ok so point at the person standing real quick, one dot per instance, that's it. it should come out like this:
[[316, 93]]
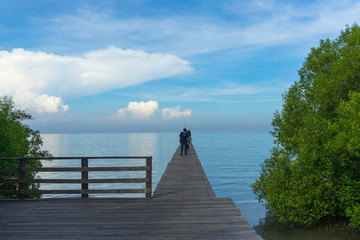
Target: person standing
[[189, 139], [183, 140]]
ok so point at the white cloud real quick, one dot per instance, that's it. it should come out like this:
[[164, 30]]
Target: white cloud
[[175, 112], [138, 110], [45, 103], [39, 80], [143, 110], [39, 103]]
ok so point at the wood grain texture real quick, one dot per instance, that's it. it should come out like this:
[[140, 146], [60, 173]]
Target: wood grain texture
[[184, 206], [84, 182]]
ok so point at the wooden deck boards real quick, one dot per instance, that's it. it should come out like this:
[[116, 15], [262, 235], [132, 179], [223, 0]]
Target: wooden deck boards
[[184, 177], [184, 206]]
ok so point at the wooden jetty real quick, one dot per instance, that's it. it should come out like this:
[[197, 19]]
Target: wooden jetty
[[184, 206]]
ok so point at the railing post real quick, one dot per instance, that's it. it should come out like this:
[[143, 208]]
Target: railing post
[[22, 177], [84, 176], [148, 176]]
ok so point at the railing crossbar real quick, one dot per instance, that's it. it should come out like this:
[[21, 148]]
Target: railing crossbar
[[75, 169], [84, 181], [63, 181]]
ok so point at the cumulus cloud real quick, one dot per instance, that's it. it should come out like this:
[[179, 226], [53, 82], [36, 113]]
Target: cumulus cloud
[[39, 80], [175, 112], [143, 110], [138, 110], [41, 104]]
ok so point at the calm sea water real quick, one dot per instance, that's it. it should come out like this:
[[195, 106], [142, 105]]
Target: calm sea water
[[231, 161]]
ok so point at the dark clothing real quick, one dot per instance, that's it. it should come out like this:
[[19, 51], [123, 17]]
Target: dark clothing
[[184, 137], [184, 145], [183, 141]]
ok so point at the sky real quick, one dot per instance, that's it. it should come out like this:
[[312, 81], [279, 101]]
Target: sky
[[158, 66]]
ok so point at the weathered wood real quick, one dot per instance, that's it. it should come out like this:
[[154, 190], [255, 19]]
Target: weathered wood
[[159, 218], [183, 206], [75, 169], [74, 158], [84, 181], [148, 176], [184, 177], [78, 181], [83, 191], [85, 176], [22, 177]]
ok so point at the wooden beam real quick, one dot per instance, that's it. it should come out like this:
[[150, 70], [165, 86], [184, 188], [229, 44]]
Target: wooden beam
[[75, 169], [84, 176], [78, 181], [148, 176], [92, 191]]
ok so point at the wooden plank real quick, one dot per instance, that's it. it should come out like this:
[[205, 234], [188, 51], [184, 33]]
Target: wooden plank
[[85, 176], [149, 176], [114, 180], [22, 176], [93, 191], [76, 158], [184, 177], [122, 219], [74, 169]]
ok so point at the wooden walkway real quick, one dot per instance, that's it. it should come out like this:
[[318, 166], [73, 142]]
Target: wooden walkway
[[184, 206]]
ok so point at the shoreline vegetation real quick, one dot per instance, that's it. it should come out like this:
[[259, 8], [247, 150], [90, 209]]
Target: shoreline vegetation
[[18, 140], [313, 173], [335, 228]]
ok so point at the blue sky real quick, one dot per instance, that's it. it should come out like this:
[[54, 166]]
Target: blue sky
[[146, 66]]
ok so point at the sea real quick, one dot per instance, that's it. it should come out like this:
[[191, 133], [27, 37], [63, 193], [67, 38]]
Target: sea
[[231, 160]]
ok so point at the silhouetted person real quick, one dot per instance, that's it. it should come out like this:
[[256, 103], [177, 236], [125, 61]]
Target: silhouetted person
[[183, 140], [189, 139]]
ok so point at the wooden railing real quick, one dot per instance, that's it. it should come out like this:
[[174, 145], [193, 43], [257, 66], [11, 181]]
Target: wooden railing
[[84, 181]]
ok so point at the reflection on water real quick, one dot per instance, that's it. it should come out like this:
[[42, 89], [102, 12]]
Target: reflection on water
[[143, 144], [270, 229], [75, 145], [54, 143]]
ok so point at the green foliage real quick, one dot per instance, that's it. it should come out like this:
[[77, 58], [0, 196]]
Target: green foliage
[[17, 140], [314, 169]]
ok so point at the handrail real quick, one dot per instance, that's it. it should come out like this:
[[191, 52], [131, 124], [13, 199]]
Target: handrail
[[84, 181]]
